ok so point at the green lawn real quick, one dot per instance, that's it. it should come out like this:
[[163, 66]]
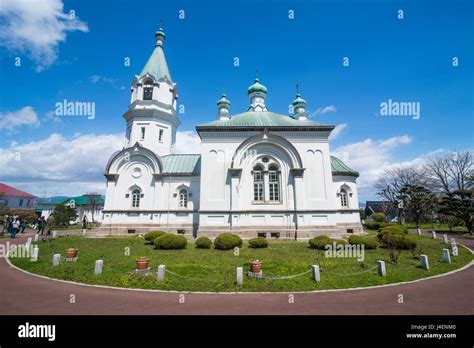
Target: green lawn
[[214, 270]]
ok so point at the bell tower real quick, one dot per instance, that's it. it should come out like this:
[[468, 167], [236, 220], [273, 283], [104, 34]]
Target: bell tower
[[151, 116]]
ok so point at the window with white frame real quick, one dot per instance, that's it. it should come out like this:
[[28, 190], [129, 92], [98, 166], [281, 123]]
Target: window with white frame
[[143, 133], [136, 198], [183, 198], [160, 135], [273, 183], [258, 184], [344, 200], [148, 90]]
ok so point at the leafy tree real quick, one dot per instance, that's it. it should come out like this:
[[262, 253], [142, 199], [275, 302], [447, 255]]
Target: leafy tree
[[459, 204], [362, 214], [63, 214], [92, 203], [417, 200]]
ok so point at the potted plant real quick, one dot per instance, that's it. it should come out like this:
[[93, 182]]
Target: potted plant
[[71, 253], [142, 263], [255, 266]]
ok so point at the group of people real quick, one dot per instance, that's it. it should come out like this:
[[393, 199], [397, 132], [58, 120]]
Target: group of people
[[14, 225]]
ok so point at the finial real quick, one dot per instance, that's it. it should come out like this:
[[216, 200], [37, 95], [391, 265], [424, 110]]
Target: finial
[[161, 23], [297, 89], [256, 75]]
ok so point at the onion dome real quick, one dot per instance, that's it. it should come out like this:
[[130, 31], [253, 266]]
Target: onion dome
[[257, 87], [223, 101], [298, 100]]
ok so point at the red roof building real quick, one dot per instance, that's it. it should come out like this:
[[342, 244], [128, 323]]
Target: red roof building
[[14, 198]]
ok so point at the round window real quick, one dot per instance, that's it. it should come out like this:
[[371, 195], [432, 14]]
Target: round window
[[136, 172], [265, 160]]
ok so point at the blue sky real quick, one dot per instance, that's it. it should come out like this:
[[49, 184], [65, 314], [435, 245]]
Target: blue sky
[[407, 59]]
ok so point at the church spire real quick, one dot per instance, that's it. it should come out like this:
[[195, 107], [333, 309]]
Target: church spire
[[299, 106], [156, 64]]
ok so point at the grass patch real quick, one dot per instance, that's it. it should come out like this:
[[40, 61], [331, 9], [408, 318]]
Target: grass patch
[[215, 270]]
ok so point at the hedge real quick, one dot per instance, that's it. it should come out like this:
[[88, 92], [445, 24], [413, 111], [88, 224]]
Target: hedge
[[227, 241], [372, 225], [203, 243], [257, 243], [171, 242], [320, 242], [394, 229], [378, 217], [151, 236], [367, 242], [398, 241]]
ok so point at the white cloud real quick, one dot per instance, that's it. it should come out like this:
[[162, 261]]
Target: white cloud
[[61, 165], [338, 131], [97, 78], [35, 28], [187, 142], [371, 157], [26, 116], [324, 110]]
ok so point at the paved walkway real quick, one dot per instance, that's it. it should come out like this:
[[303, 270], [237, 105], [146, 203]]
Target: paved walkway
[[21, 293]]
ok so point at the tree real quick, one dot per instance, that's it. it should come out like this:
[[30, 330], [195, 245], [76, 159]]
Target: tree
[[62, 215], [417, 201], [459, 204], [392, 181], [93, 201], [378, 217], [362, 214], [452, 177]]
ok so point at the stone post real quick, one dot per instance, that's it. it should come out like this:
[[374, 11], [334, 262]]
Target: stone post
[[418, 231], [381, 268], [240, 276], [161, 272], [98, 266], [424, 262], [433, 234], [445, 238], [36, 237], [34, 256], [453, 242], [315, 272], [446, 256], [56, 259], [84, 231], [55, 234]]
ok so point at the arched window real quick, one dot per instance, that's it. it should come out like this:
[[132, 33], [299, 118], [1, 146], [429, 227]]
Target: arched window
[[257, 184], [183, 198], [344, 201], [136, 199], [148, 90], [273, 183]]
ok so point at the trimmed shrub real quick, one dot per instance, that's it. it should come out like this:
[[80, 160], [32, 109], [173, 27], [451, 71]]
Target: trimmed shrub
[[257, 243], [372, 225], [227, 241], [398, 241], [171, 242], [378, 217], [367, 242], [320, 242], [151, 236], [203, 243], [394, 229]]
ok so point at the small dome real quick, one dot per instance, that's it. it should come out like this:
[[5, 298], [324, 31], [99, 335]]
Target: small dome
[[257, 87], [160, 32], [223, 100], [298, 100]]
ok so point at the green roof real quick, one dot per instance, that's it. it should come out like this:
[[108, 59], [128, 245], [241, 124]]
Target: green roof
[[156, 65], [298, 100], [181, 164], [38, 208], [83, 200], [223, 100], [340, 168], [262, 119]]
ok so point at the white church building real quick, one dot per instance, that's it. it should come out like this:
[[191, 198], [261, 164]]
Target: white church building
[[259, 173]]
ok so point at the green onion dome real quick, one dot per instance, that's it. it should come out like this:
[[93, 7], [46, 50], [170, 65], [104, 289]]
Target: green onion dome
[[160, 32], [298, 100], [223, 100], [257, 87]]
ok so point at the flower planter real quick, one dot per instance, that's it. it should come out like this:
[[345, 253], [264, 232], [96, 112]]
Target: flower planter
[[71, 253], [142, 263], [255, 266]]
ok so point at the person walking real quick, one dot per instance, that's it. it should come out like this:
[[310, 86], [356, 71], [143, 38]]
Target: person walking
[[15, 227], [41, 225], [22, 225]]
